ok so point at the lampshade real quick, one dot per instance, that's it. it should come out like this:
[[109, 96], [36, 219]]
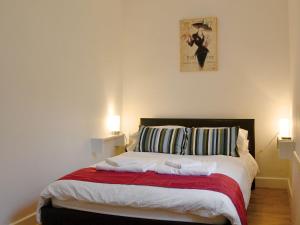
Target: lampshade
[[114, 124], [284, 128]]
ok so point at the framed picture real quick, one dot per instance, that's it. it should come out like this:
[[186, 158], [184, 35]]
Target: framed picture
[[198, 44]]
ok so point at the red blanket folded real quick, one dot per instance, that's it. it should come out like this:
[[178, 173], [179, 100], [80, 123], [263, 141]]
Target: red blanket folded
[[215, 182]]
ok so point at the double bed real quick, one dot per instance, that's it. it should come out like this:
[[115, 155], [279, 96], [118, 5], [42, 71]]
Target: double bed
[[122, 204]]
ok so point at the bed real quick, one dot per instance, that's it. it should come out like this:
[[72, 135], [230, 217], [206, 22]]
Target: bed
[[58, 212]]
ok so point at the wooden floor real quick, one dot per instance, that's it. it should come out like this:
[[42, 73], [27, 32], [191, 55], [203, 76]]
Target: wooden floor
[[269, 207]]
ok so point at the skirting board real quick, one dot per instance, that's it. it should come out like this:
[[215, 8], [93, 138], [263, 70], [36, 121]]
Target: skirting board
[[275, 182], [272, 182], [26, 220]]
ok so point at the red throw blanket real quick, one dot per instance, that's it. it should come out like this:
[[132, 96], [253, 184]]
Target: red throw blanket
[[215, 182]]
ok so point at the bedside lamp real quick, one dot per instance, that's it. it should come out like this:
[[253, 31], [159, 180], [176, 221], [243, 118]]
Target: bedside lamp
[[284, 129], [114, 124], [110, 144]]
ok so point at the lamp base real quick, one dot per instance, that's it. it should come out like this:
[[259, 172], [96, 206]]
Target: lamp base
[[115, 132]]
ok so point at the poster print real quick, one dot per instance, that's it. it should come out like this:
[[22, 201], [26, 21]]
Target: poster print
[[198, 44]]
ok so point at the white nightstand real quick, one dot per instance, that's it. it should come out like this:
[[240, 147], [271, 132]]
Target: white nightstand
[[285, 148], [108, 146]]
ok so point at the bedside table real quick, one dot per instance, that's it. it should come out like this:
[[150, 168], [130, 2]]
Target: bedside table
[[108, 146], [285, 148]]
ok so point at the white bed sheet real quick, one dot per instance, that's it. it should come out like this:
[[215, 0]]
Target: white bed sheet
[[201, 203]]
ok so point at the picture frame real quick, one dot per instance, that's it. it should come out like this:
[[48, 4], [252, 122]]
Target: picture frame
[[198, 44]]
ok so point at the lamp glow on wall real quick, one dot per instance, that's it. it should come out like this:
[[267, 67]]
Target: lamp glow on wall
[[284, 128], [114, 124]]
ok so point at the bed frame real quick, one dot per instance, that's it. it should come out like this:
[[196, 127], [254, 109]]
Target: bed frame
[[62, 216]]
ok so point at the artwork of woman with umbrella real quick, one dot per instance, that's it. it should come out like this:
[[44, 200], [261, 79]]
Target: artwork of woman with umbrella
[[198, 44]]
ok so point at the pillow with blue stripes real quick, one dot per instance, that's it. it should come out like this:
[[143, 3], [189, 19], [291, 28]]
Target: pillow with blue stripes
[[170, 140], [213, 141]]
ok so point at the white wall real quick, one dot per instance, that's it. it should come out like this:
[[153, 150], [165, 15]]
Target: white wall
[[59, 79], [252, 80], [294, 16], [61, 63]]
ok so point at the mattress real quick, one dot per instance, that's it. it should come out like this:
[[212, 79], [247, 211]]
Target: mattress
[[156, 214]]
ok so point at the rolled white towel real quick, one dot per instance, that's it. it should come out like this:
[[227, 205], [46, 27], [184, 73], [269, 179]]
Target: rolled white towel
[[204, 169], [182, 163], [126, 164], [139, 167], [119, 161], [130, 168]]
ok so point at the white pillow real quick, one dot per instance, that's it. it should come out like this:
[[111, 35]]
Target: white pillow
[[133, 139], [242, 141], [244, 148], [243, 133]]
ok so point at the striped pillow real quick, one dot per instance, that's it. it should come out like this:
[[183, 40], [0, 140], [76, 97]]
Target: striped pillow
[[213, 141], [162, 140]]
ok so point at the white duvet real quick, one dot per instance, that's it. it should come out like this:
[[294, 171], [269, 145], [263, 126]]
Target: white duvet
[[197, 202]]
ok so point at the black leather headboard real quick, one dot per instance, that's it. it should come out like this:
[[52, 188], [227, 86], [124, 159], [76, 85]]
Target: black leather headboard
[[247, 124]]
